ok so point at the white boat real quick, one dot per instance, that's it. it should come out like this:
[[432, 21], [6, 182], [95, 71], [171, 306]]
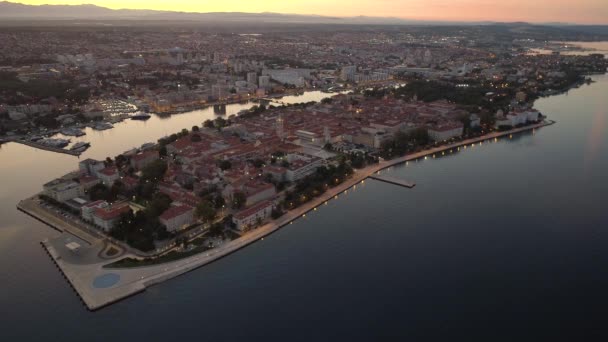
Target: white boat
[[80, 146], [75, 132], [58, 143], [100, 126]]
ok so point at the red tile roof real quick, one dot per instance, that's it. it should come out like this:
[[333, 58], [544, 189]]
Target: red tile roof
[[109, 171], [174, 212], [93, 204], [252, 210], [111, 213]]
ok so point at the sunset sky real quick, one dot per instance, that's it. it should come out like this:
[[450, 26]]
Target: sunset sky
[[579, 11]]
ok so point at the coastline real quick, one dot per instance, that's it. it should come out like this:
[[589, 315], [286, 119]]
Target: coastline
[[136, 279]]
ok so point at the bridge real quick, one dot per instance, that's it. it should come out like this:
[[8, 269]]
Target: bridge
[[392, 180]]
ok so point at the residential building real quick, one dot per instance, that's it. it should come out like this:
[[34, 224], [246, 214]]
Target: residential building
[[301, 165], [177, 217], [87, 210], [108, 176], [264, 82], [106, 217], [62, 189], [446, 131], [90, 166], [250, 216], [143, 159]]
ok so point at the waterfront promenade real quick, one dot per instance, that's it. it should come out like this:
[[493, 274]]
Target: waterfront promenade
[[84, 273], [32, 207]]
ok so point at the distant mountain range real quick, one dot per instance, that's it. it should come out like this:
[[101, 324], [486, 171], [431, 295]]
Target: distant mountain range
[[18, 11], [10, 11]]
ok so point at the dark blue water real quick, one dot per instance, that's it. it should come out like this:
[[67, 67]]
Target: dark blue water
[[502, 242]]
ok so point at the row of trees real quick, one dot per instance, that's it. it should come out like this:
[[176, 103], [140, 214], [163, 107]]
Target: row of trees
[[218, 123], [163, 142], [402, 143], [315, 185], [17, 91], [473, 96]]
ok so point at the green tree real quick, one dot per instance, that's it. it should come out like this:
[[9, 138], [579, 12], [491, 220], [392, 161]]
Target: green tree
[[208, 123], [158, 205], [162, 151], [225, 165], [238, 200], [195, 138], [276, 213], [218, 201], [216, 229], [100, 192], [257, 163], [205, 211], [220, 122], [154, 171]]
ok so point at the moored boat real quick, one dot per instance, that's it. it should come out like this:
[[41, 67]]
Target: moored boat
[[140, 116], [80, 146]]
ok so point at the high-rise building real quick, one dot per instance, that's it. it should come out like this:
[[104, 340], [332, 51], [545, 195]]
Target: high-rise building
[[217, 91], [348, 73], [280, 126], [264, 82], [252, 78], [326, 134], [428, 56]]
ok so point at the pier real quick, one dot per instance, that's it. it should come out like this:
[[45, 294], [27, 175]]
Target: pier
[[392, 180], [46, 148]]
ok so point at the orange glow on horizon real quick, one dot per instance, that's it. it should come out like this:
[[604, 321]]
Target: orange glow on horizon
[[583, 11]]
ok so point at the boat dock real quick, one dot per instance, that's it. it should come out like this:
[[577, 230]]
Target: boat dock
[[393, 180], [47, 148]]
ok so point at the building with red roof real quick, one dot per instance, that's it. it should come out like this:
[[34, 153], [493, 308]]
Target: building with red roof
[[446, 131], [106, 216], [177, 217], [142, 159], [250, 216], [108, 175]]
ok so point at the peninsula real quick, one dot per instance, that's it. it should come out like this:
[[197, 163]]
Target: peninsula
[[161, 210]]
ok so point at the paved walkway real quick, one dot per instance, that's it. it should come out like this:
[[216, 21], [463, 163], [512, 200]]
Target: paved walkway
[[32, 207]]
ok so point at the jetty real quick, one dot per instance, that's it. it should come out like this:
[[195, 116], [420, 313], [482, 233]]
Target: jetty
[[393, 180], [46, 147]]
